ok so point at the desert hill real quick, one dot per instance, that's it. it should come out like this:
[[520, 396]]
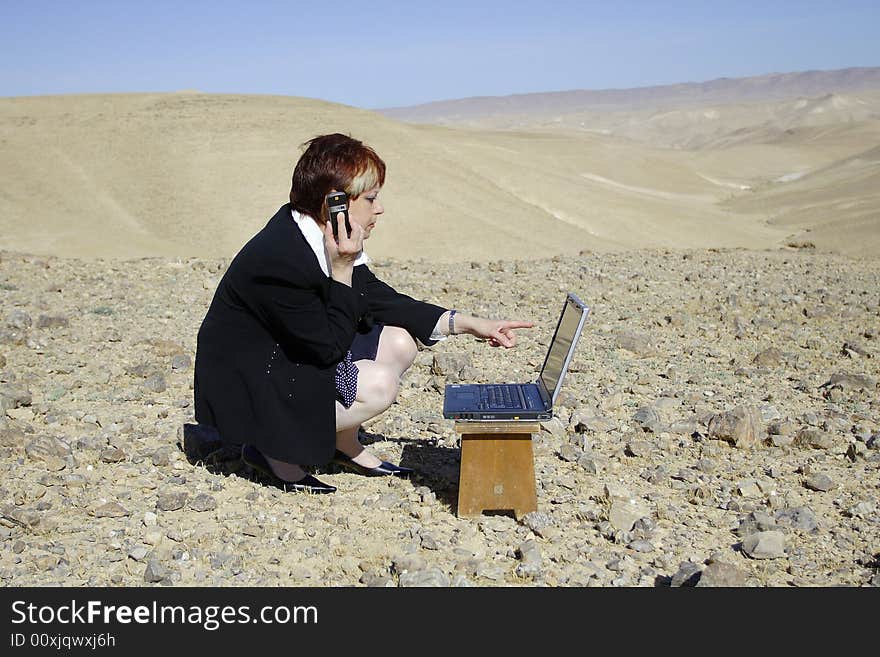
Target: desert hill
[[192, 174]]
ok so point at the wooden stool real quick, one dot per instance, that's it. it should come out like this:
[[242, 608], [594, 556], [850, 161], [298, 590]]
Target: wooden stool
[[497, 468]]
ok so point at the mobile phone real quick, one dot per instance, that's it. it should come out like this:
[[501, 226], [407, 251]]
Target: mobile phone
[[338, 202]]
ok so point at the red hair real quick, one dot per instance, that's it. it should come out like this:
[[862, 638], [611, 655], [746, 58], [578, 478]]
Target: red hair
[[333, 162]]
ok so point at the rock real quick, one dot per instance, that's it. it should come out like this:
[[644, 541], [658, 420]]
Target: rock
[[19, 319], [253, 529], [138, 553], [529, 554], [45, 448], [820, 481], [46, 562], [814, 438], [181, 362], [688, 574], [641, 545], [20, 414], [624, 513], [165, 347], [450, 365], [855, 451], [636, 343], [554, 427], [171, 501], [155, 572], [801, 518], [12, 396], [861, 510], [768, 358], [570, 453], [155, 383], [537, 521], [203, 502], [648, 419], [93, 442], [594, 424], [756, 521], [407, 563], [769, 412], [141, 370], [749, 488], [22, 516], [110, 510], [162, 457], [740, 426], [848, 381], [780, 440], [764, 545], [722, 574], [13, 336], [423, 578], [52, 321], [374, 580], [112, 455], [638, 448], [588, 463], [781, 428], [853, 347]]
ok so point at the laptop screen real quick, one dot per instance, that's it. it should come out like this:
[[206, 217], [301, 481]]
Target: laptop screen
[[568, 330]]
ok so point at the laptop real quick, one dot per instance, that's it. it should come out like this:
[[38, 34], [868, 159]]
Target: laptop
[[522, 401]]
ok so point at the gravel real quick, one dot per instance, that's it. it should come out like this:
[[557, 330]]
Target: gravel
[[719, 426]]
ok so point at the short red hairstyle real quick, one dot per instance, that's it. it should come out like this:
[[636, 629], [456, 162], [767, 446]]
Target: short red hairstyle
[[333, 162]]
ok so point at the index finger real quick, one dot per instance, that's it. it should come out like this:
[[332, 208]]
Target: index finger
[[516, 323], [504, 340]]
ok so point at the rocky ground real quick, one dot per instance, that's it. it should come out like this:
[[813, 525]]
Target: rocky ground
[[720, 426]]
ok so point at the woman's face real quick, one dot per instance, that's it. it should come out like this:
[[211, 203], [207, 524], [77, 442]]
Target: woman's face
[[365, 210]]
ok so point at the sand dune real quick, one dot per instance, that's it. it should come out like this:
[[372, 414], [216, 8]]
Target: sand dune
[[196, 174], [835, 206]]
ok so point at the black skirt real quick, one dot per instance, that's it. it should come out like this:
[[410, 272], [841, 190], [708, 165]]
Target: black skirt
[[365, 346]]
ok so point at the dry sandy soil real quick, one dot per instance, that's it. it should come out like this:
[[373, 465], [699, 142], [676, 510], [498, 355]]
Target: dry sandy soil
[[195, 174], [720, 425]]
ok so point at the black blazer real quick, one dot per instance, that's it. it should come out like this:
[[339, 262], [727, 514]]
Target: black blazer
[[268, 347]]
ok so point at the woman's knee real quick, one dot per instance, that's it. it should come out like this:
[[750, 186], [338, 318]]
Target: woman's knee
[[380, 386], [397, 345]]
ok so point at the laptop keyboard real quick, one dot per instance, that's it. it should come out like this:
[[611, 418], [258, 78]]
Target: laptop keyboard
[[500, 396]]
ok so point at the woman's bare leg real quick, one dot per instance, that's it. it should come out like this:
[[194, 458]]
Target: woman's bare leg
[[378, 385], [396, 349]]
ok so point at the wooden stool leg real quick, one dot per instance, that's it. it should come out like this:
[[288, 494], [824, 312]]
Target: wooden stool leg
[[497, 474]]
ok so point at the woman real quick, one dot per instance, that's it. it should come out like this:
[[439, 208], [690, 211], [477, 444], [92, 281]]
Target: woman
[[302, 343]]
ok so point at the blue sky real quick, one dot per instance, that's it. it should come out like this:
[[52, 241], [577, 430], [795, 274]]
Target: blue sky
[[383, 54]]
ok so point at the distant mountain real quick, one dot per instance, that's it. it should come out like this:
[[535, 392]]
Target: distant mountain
[[773, 86]]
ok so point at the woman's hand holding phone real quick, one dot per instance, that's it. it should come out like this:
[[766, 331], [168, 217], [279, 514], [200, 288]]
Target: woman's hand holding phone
[[345, 251]]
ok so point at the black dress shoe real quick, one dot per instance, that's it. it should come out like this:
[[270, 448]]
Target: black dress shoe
[[383, 470], [308, 484]]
